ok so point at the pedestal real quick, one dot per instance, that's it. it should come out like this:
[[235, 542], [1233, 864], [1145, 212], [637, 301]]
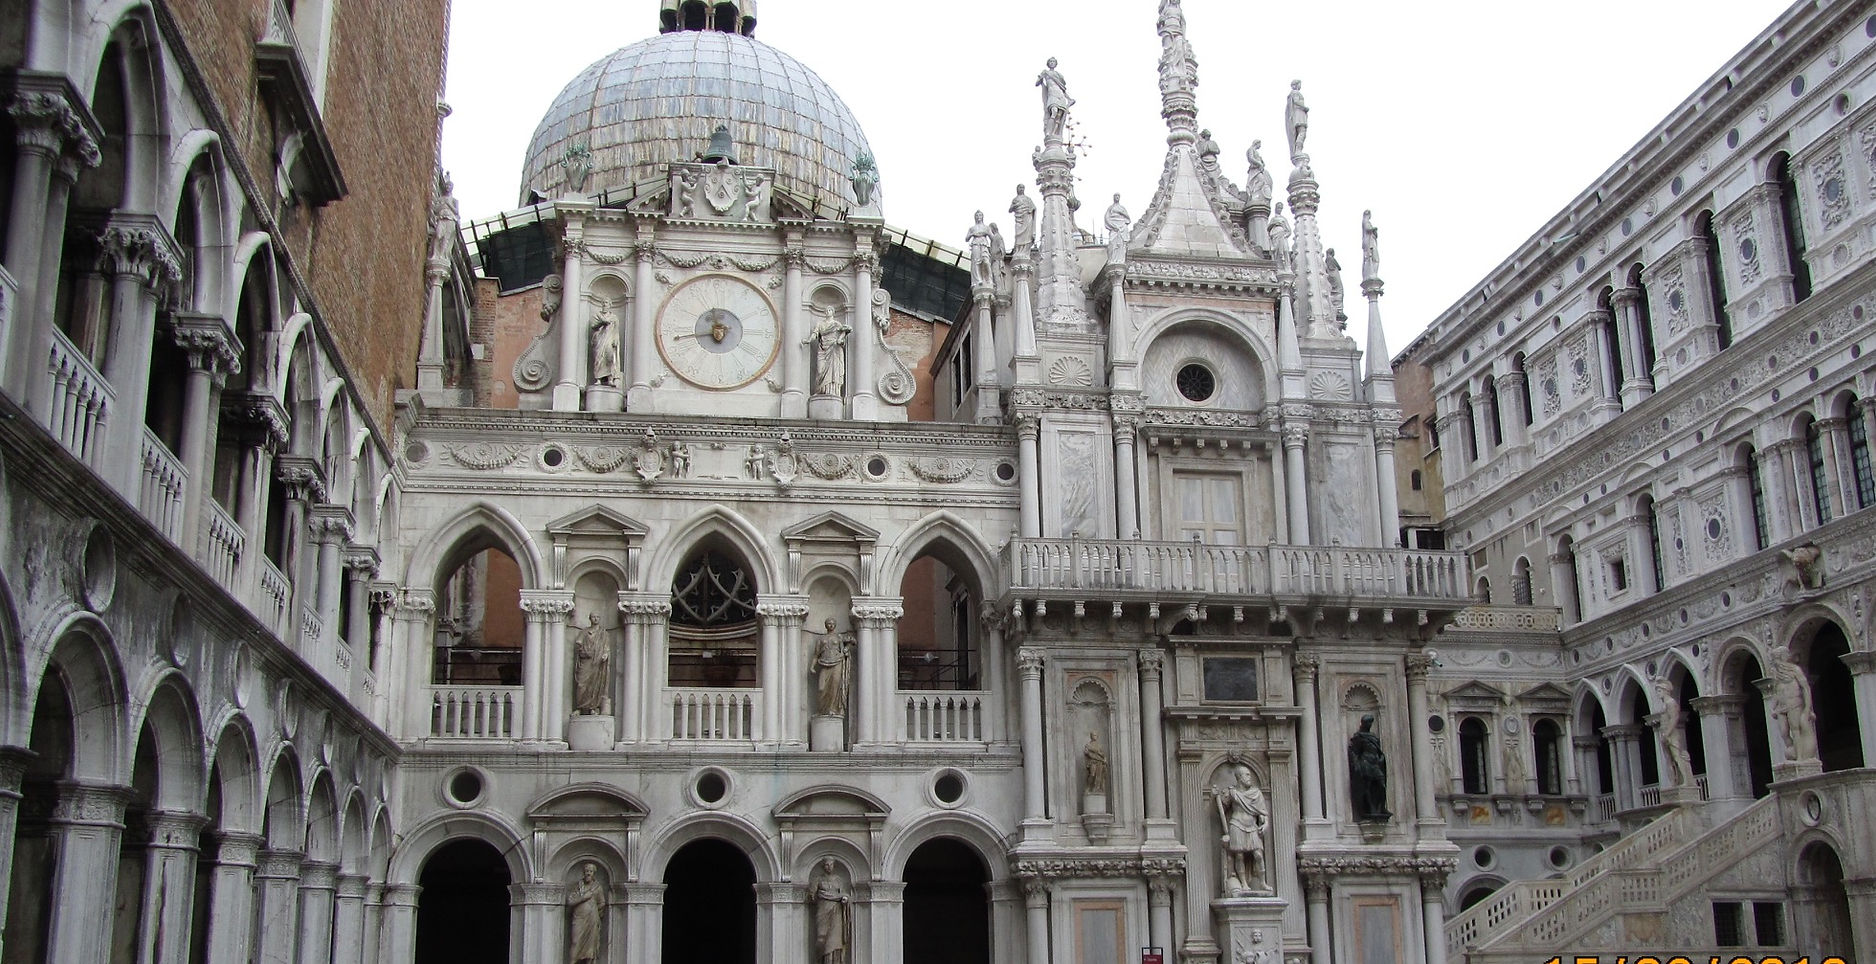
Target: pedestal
[[589, 732], [827, 734], [1096, 821], [1250, 929], [604, 398], [826, 406]]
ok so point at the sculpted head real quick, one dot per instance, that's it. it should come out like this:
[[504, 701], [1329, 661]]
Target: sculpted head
[[586, 872], [830, 624], [1051, 63], [1243, 775]]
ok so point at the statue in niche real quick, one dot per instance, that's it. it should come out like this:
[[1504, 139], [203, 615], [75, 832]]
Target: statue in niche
[[1118, 225], [865, 178], [1791, 706], [1055, 101], [1244, 816], [1093, 767], [830, 354], [1336, 290], [1258, 183], [592, 660], [833, 669], [605, 339], [1370, 247], [977, 241], [1025, 210], [832, 920], [586, 905], [1668, 730], [1367, 773], [1296, 119]]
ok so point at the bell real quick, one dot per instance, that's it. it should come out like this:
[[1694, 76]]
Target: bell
[[720, 148]]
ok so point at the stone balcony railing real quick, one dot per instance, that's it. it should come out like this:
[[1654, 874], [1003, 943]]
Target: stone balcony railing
[[945, 716], [1131, 569], [79, 402], [475, 712], [1501, 619], [715, 715], [162, 486]]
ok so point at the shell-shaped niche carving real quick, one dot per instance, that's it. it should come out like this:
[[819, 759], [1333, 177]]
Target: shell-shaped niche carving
[[1331, 386], [1070, 370]]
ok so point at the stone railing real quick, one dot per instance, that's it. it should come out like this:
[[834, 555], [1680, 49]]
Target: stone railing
[[1650, 795], [1529, 619], [312, 628], [474, 712], [713, 714], [271, 602], [1110, 566], [164, 480], [945, 716], [222, 542], [1605, 807], [79, 401]]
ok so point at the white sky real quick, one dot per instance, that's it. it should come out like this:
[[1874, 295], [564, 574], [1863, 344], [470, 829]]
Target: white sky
[[1464, 125]]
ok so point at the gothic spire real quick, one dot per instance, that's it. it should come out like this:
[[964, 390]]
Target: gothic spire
[[1178, 75]]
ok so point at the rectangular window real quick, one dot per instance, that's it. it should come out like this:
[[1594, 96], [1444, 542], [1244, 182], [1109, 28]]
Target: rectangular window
[[1654, 547], [1820, 477], [1231, 679], [1727, 929], [1210, 508], [1618, 575], [1768, 921], [1757, 485], [1859, 460]]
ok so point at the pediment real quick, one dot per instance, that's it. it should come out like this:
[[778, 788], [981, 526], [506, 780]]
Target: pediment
[[831, 803], [596, 520], [1476, 691], [586, 800], [830, 527], [1545, 693]]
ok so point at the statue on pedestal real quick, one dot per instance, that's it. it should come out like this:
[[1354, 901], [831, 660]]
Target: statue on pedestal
[[830, 903], [1093, 767], [830, 355], [1024, 208], [1242, 811], [1791, 706], [1258, 184], [1119, 225], [592, 658], [1370, 247], [586, 905], [1668, 730], [833, 656], [977, 241], [605, 340], [1296, 119], [1367, 773], [1055, 101], [1336, 290]]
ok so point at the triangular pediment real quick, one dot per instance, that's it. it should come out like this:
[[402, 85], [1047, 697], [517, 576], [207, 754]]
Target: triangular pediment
[[1476, 690], [830, 527], [596, 520], [831, 802], [1545, 693]]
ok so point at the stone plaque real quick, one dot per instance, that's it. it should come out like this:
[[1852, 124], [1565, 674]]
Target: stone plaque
[[1231, 679]]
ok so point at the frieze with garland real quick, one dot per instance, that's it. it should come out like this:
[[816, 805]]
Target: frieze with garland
[[1071, 868]]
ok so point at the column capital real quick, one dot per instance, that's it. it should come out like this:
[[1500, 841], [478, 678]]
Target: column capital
[[415, 603], [644, 605], [278, 864], [1304, 666], [401, 895], [303, 478], [1625, 297], [1295, 434], [90, 804], [208, 341], [545, 604], [329, 523], [878, 611], [362, 561], [538, 894], [261, 418], [1418, 666], [138, 247], [1029, 661], [13, 763], [1152, 663], [1861, 662], [50, 118], [237, 849], [174, 829], [352, 886], [318, 875]]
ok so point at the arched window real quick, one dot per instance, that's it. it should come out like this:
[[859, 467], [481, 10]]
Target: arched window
[[1548, 737], [1489, 395], [1858, 430], [1612, 346], [1474, 760], [1470, 428], [938, 636], [1755, 489], [1791, 220], [1521, 582], [1524, 389], [1572, 583], [1652, 517], [714, 630], [1716, 279], [1484, 593], [1820, 473], [479, 623], [1644, 325]]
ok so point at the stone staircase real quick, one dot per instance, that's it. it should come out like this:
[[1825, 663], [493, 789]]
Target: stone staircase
[[1645, 894]]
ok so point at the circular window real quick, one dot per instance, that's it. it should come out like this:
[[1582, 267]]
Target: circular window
[[711, 787], [1483, 856], [1006, 471], [1732, 138], [1560, 857], [876, 466], [464, 788], [1436, 724], [1748, 250], [1797, 86], [1713, 528], [552, 457], [416, 452], [1676, 185], [1196, 382], [947, 788]]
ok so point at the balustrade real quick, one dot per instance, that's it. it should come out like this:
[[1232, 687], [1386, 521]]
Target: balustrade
[[223, 544], [271, 604], [944, 716], [80, 401], [164, 480], [714, 714], [474, 712]]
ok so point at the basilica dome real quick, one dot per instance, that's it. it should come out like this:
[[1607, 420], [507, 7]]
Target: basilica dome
[[657, 101]]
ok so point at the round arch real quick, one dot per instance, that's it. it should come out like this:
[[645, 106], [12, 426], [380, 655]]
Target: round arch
[[85, 662], [480, 526], [283, 810], [972, 828], [1224, 322], [560, 865], [731, 828], [238, 777], [408, 856], [170, 713]]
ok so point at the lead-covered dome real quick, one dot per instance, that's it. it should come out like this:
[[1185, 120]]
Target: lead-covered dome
[[657, 101]]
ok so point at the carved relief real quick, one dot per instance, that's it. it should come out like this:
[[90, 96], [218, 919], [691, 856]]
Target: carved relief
[[1070, 370], [1746, 246], [1833, 191]]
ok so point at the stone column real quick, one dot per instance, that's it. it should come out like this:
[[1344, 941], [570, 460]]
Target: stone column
[[1517, 432], [541, 908], [263, 432], [318, 881], [397, 926], [534, 666], [1384, 437], [1418, 666], [1029, 665], [86, 831], [1029, 433], [140, 259], [876, 622], [1835, 433], [559, 668], [638, 684], [54, 135], [1642, 573], [571, 366], [210, 348], [1433, 912], [231, 898], [984, 355], [1452, 427], [1585, 758], [430, 350], [1862, 664], [1036, 919], [1303, 670], [303, 485], [1860, 894], [361, 568], [168, 885], [373, 925], [644, 927], [331, 527], [1280, 492], [771, 673], [884, 919], [1637, 381], [1159, 898], [1022, 310], [644, 338], [1152, 735], [1624, 746], [277, 890], [865, 341], [1297, 483], [1563, 588], [1716, 738], [996, 674], [1567, 757], [1787, 500], [410, 703], [13, 764], [795, 356], [348, 920], [1316, 900], [793, 673], [1126, 498]]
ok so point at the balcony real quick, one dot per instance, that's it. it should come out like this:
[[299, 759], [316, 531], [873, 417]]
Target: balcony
[[160, 488], [945, 716], [475, 712], [1124, 570], [222, 543], [80, 401], [715, 715]]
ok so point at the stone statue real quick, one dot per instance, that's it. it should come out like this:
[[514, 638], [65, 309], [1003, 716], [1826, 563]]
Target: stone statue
[[1370, 247], [1514, 763], [1178, 69], [1025, 210], [830, 904], [586, 905], [680, 460], [575, 165], [1791, 706], [1208, 149], [592, 658], [1055, 101], [833, 661], [1668, 731], [1367, 773], [1257, 952], [1808, 563], [686, 193], [830, 355], [997, 253], [1336, 291], [977, 241], [1093, 767], [1279, 236], [755, 198], [1296, 119], [865, 178], [605, 337], [1244, 816], [1118, 225], [1258, 183]]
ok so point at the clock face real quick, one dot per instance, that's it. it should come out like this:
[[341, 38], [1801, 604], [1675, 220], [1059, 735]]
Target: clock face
[[717, 332]]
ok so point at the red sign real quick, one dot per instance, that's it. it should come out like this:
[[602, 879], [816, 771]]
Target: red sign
[[1147, 957]]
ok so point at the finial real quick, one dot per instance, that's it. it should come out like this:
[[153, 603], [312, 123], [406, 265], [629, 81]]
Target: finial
[[716, 16], [1178, 73]]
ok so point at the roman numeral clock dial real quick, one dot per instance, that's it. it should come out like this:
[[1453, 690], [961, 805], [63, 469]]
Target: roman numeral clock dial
[[718, 332]]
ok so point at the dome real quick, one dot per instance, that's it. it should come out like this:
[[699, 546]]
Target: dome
[[656, 101]]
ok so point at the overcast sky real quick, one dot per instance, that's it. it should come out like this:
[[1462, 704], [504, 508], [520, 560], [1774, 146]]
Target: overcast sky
[[1464, 125]]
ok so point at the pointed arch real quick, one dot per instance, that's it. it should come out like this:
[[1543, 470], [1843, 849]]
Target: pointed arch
[[942, 532], [480, 526], [726, 524]]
